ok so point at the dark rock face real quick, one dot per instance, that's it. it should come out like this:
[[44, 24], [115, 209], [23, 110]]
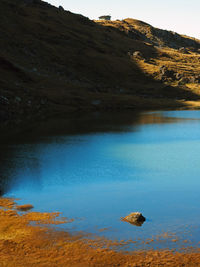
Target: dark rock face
[[135, 218]]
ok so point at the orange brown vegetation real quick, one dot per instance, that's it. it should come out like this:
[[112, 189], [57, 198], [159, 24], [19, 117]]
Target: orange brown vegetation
[[166, 45], [22, 244]]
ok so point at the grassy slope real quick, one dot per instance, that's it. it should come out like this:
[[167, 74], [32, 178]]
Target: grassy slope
[[145, 32], [52, 61]]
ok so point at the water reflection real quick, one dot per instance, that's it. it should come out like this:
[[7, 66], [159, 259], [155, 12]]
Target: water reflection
[[100, 167], [28, 154]]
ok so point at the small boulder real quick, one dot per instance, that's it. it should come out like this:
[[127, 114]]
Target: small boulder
[[166, 73], [183, 50], [197, 79], [178, 76], [137, 54], [135, 218], [194, 79]]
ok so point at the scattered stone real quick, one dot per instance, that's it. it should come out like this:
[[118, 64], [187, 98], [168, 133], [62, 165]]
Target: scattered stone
[[25, 207], [178, 76], [183, 81], [197, 79], [192, 80], [135, 218], [137, 54], [166, 73], [183, 50]]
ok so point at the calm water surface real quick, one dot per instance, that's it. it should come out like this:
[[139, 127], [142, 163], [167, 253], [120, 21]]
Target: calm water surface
[[100, 168]]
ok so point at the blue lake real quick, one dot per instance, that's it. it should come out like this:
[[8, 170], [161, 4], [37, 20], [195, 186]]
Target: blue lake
[[99, 168]]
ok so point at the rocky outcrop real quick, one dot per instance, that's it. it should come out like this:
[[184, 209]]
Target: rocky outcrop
[[183, 81], [166, 73]]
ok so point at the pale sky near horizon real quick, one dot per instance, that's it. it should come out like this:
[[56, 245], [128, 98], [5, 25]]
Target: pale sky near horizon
[[176, 15]]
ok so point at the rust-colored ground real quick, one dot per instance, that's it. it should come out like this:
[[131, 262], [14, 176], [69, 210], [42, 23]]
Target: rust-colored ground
[[25, 244]]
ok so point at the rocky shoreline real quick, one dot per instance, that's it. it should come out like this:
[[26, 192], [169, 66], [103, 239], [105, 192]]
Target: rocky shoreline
[[26, 241]]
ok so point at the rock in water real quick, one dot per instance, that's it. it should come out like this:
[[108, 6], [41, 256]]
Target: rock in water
[[25, 207], [135, 218]]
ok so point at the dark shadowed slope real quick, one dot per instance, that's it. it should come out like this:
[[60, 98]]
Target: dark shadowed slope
[[53, 61]]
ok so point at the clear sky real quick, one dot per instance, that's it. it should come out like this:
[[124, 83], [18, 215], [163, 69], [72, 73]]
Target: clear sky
[[182, 16]]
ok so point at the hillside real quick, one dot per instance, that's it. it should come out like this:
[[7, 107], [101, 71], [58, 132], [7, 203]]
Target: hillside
[[142, 31], [53, 61]]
